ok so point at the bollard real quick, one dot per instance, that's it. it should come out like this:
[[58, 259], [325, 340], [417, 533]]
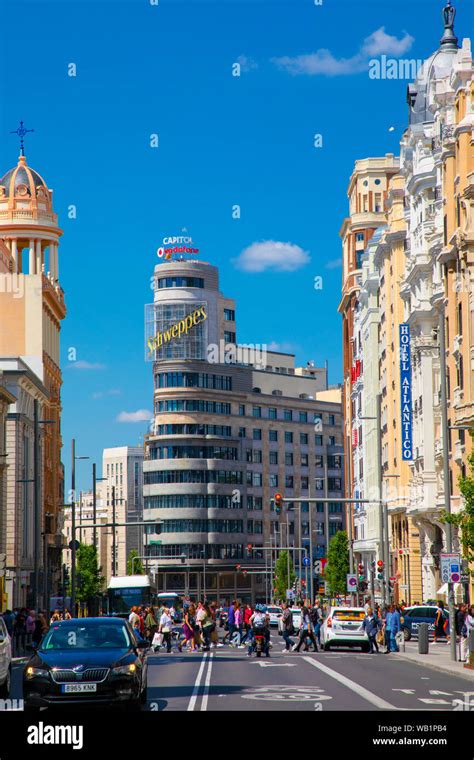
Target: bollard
[[423, 641], [471, 641], [400, 639]]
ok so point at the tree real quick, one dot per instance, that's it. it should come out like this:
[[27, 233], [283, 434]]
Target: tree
[[337, 565], [134, 568], [282, 582], [464, 519], [88, 577]]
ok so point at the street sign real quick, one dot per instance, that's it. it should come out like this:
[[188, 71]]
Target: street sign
[[393, 579], [70, 544], [290, 594], [450, 568], [351, 583], [306, 561]]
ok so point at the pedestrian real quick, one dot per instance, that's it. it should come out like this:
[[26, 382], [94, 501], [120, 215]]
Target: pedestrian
[[316, 615], [9, 619], [165, 626], [368, 604], [20, 630], [371, 625], [286, 622], [67, 615], [188, 629], [306, 631], [248, 612], [56, 617], [440, 623], [467, 627], [41, 627], [395, 627], [133, 617], [151, 623], [207, 626], [238, 623], [230, 622], [386, 627]]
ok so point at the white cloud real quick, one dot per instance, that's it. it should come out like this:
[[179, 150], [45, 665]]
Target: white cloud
[[81, 364], [333, 264], [141, 415], [247, 63], [272, 255], [111, 392], [324, 62]]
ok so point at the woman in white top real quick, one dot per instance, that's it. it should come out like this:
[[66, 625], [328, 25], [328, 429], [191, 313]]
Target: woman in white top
[[469, 626], [166, 624]]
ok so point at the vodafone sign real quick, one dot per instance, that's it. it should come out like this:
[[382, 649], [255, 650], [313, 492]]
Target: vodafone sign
[[185, 246]]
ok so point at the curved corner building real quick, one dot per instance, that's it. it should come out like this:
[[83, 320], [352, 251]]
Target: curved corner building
[[226, 436]]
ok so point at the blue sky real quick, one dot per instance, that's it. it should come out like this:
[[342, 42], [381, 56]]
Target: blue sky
[[223, 140]]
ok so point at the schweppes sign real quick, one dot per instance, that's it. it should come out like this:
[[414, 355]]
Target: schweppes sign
[[177, 330]]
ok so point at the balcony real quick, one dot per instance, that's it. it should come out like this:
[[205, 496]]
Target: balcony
[[458, 395], [457, 345], [458, 453]]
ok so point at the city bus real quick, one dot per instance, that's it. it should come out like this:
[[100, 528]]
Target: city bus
[[127, 591], [171, 599]]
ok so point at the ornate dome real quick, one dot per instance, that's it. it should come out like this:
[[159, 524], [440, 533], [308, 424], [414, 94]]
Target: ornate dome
[[21, 181]]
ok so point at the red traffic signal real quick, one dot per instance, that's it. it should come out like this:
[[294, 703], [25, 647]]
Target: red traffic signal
[[380, 563], [249, 547], [361, 567], [278, 500], [237, 567]]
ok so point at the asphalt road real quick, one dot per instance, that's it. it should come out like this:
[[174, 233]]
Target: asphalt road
[[226, 679]]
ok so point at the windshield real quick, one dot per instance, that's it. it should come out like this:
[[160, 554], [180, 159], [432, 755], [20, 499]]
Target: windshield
[[274, 610], [79, 636], [348, 614]]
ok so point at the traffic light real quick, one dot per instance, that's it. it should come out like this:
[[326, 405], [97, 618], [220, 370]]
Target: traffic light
[[237, 567], [3, 560], [249, 547], [373, 566], [380, 569], [361, 571], [278, 500]]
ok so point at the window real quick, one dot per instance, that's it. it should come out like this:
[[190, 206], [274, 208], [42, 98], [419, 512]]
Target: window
[[254, 503], [180, 282], [256, 411], [360, 237], [334, 527], [318, 440], [288, 436], [273, 480], [242, 432], [303, 438], [331, 419], [241, 410], [319, 484], [257, 434], [190, 501], [193, 452], [335, 507], [332, 440], [193, 405], [334, 461], [273, 457], [254, 479], [193, 380], [304, 460], [335, 484], [272, 413], [289, 481], [319, 460], [229, 315], [287, 415], [303, 416], [192, 476], [289, 459], [273, 435], [304, 483], [229, 336]]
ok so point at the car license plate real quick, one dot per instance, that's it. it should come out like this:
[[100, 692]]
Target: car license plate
[[75, 688]]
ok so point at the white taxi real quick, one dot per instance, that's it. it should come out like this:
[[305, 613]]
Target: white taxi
[[343, 626], [275, 612]]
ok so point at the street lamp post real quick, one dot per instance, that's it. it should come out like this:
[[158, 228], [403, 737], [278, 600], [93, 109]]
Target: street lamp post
[[73, 524]]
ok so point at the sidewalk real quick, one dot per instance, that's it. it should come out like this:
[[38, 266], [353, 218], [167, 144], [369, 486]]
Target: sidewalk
[[439, 657]]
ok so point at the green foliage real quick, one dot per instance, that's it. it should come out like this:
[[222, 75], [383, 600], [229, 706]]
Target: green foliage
[[282, 582], [337, 565], [89, 580], [134, 568], [464, 519]]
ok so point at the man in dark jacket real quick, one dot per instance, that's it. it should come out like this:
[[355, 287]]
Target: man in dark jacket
[[371, 625]]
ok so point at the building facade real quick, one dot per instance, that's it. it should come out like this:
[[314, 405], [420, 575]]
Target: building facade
[[32, 307], [233, 425]]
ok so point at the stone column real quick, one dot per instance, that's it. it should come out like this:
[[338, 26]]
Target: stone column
[[14, 252], [39, 262], [32, 263]]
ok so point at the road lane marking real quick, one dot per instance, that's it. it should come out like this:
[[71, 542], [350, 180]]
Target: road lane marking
[[207, 682], [360, 690], [275, 664], [197, 684]]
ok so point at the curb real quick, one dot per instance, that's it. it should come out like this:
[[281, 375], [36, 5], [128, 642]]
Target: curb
[[442, 668]]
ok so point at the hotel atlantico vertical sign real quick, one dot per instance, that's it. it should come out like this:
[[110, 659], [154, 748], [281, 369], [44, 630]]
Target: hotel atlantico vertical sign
[[405, 385]]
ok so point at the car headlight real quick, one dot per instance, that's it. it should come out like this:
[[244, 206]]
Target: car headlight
[[125, 670], [31, 672]]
